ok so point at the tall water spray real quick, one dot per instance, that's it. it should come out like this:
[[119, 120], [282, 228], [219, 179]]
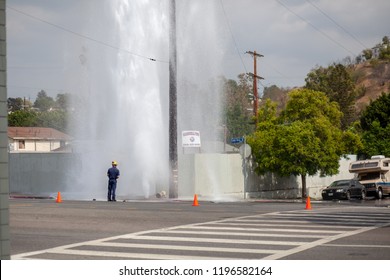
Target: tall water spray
[[119, 76]]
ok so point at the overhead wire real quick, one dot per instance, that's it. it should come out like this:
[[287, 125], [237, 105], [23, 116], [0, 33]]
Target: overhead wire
[[84, 36], [336, 23], [315, 27], [237, 48], [233, 38]]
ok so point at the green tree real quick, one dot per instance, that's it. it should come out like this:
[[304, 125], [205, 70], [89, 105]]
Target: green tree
[[15, 104], [54, 119], [63, 101], [367, 54], [338, 85], [43, 102], [385, 40], [276, 94], [23, 118], [384, 52], [305, 139], [375, 123], [18, 103], [237, 117], [262, 140], [238, 122], [29, 118]]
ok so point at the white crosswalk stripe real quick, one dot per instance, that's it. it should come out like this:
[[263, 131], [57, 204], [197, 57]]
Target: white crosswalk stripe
[[264, 236]]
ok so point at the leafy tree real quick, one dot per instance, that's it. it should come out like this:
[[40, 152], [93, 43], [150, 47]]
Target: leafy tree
[[23, 118], [385, 40], [377, 110], [14, 104], [305, 139], [20, 114], [268, 112], [384, 52], [261, 141], [375, 123], [276, 94], [18, 103], [338, 85], [43, 102], [63, 101], [238, 118], [54, 119], [237, 122], [367, 54], [28, 118]]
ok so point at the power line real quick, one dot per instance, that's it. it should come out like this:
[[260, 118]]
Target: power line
[[331, 19], [84, 36], [231, 33], [314, 27], [237, 48]]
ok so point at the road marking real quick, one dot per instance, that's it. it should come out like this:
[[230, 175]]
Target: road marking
[[285, 224], [219, 240], [137, 256], [340, 218], [356, 246], [263, 236], [257, 233], [295, 230], [186, 248], [316, 243]]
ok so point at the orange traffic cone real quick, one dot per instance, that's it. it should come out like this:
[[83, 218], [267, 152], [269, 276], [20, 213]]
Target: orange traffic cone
[[195, 201], [308, 204], [59, 200]]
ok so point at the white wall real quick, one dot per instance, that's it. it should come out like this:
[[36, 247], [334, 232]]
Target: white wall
[[35, 145], [211, 175], [221, 175]]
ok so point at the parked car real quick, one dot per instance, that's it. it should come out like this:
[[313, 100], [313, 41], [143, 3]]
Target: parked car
[[344, 189]]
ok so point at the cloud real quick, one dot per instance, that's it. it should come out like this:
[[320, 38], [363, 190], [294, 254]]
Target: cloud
[[294, 36]]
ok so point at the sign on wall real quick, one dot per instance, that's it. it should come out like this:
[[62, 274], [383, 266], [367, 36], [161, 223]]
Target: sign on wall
[[190, 139]]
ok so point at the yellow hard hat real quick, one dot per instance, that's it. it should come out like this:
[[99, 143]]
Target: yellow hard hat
[[114, 162]]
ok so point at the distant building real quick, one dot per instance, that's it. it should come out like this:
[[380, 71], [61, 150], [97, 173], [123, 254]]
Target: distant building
[[376, 51], [36, 139]]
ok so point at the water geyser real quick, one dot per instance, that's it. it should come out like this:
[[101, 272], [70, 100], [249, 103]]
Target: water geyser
[[118, 74]]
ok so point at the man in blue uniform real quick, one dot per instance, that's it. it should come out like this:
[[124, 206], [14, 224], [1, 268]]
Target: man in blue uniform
[[113, 175]]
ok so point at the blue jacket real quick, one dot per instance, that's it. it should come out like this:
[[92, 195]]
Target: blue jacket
[[113, 173]]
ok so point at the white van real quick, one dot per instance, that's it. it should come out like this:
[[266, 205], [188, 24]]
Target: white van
[[374, 174]]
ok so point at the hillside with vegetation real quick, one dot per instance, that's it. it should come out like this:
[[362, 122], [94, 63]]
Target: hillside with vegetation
[[372, 78], [361, 81]]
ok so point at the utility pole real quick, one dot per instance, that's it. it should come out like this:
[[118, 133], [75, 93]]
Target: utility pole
[[173, 164], [255, 77]]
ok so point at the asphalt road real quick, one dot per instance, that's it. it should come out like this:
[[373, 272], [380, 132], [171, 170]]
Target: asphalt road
[[174, 229]]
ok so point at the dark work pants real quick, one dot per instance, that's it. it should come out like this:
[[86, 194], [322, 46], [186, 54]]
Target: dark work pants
[[111, 190]]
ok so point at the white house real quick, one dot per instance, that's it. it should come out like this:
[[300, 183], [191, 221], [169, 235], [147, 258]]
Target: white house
[[36, 139]]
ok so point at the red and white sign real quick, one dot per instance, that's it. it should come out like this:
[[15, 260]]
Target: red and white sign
[[190, 139]]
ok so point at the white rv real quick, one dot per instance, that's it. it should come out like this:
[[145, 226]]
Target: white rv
[[374, 174]]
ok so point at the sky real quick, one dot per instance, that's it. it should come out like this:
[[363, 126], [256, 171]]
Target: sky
[[294, 36]]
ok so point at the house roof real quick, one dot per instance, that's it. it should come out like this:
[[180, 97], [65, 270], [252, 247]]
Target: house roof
[[35, 133]]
